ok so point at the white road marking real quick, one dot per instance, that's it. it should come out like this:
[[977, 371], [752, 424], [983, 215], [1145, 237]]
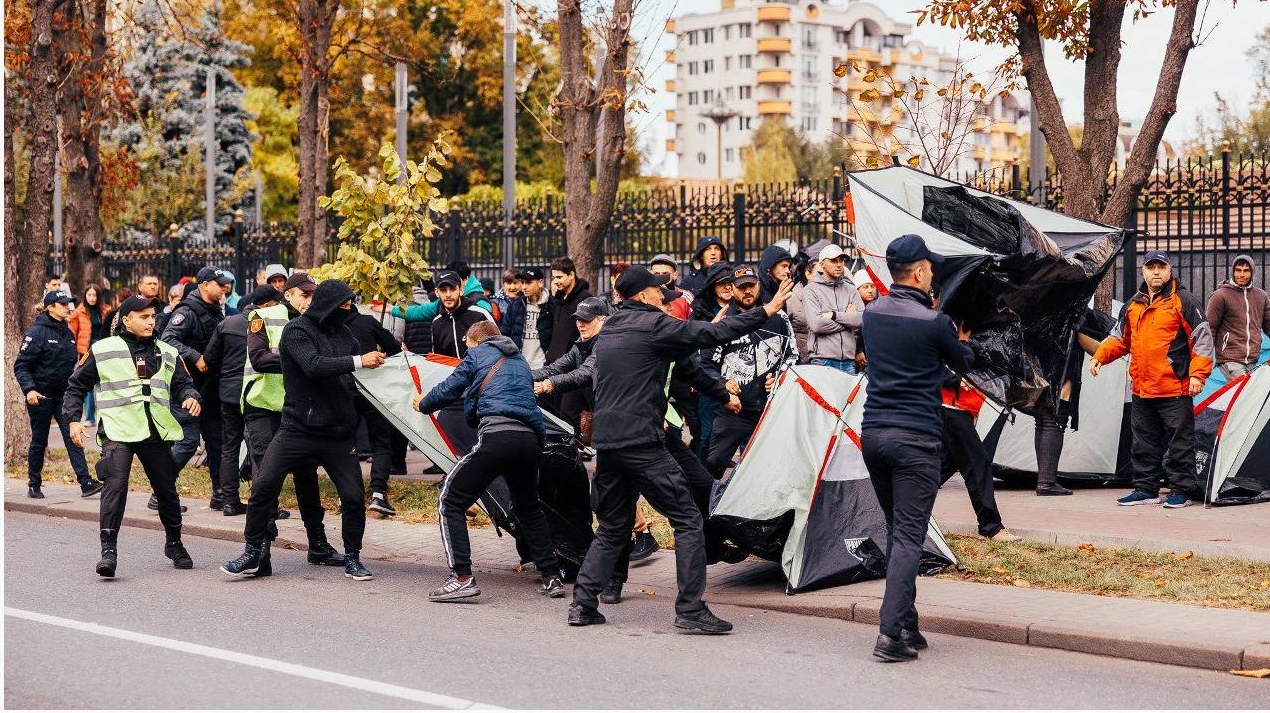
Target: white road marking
[[316, 674]]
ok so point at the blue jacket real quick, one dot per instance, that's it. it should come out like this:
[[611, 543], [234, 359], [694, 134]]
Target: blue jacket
[[509, 394], [513, 324], [909, 344]]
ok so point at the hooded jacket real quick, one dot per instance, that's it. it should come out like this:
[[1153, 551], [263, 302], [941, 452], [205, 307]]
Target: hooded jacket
[[694, 279], [575, 370], [704, 305], [832, 337], [772, 255], [318, 355], [749, 359], [450, 328], [370, 334], [509, 393], [564, 330], [1238, 317], [1167, 339], [46, 358]]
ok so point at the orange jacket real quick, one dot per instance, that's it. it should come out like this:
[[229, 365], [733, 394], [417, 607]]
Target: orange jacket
[[81, 325], [1167, 339]]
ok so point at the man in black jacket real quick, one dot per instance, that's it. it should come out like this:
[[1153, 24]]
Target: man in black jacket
[[43, 367], [567, 292], [371, 336], [189, 329], [632, 357], [528, 320], [319, 422], [456, 315], [226, 355], [910, 344]]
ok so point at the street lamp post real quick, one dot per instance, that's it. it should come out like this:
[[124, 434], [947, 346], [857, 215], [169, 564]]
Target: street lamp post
[[720, 114]]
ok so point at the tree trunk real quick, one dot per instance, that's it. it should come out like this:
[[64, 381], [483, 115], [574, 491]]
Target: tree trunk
[[82, 116], [583, 106], [315, 19]]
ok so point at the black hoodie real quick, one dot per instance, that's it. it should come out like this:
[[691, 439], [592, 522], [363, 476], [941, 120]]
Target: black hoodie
[[772, 255], [319, 354], [696, 274], [704, 305]]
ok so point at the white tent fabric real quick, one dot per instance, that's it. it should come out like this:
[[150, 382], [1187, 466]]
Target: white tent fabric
[[391, 387], [1243, 438]]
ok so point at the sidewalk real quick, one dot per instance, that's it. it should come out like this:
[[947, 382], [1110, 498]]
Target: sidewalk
[[1148, 631]]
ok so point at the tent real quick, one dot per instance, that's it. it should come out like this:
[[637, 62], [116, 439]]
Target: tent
[[443, 437], [1232, 428], [1019, 276], [801, 495]]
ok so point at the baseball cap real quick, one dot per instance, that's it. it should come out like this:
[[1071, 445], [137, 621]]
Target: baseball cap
[[531, 273], [830, 252], [590, 308], [744, 275], [447, 277], [1157, 256], [910, 248], [136, 303], [862, 277], [264, 293], [300, 280], [59, 296], [209, 274], [637, 278], [663, 259]]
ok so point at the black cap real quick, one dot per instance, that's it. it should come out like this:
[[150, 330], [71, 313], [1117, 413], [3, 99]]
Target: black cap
[[531, 273], [447, 277], [744, 275], [209, 274], [637, 278], [910, 248], [264, 293], [136, 303], [590, 308], [1157, 256], [59, 296], [300, 280]]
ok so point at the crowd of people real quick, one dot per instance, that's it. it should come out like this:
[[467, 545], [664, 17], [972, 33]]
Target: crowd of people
[[664, 374]]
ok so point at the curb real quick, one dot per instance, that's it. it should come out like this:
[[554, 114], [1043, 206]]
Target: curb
[[1175, 647]]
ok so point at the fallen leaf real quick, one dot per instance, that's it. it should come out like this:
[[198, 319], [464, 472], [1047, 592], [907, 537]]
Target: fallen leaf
[[1161, 582], [1021, 583], [1265, 584], [1141, 575], [1184, 556], [1258, 673], [1087, 547], [649, 592], [1000, 570]]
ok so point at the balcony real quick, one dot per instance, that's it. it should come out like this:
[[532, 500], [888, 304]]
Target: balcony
[[670, 26], [780, 45], [863, 54], [775, 107], [773, 13], [670, 56], [1004, 127], [670, 115], [670, 85], [670, 145], [774, 76], [979, 153]]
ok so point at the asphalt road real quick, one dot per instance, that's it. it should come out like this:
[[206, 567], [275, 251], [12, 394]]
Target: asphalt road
[[307, 637]]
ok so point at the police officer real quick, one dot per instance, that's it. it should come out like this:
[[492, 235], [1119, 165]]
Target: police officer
[[139, 377], [910, 343], [189, 330], [262, 397], [319, 423], [43, 366]]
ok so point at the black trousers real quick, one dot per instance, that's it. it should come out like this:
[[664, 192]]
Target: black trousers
[[1164, 444], [232, 430], [48, 408], [261, 427], [904, 468], [963, 452], [515, 456], [379, 431], [687, 402], [621, 476], [115, 465], [731, 431], [290, 450]]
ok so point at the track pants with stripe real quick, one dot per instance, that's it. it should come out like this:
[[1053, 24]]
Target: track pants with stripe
[[515, 456]]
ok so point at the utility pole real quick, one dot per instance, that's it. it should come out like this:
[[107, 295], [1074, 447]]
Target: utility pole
[[209, 156], [720, 114], [402, 111], [1036, 159], [509, 128], [260, 199]]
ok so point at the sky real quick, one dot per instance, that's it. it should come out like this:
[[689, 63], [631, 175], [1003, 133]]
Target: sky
[[1218, 64]]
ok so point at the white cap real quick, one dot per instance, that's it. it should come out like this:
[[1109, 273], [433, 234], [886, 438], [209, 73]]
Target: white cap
[[275, 270], [862, 277], [830, 252]]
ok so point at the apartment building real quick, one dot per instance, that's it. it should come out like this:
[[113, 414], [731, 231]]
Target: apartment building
[[753, 59]]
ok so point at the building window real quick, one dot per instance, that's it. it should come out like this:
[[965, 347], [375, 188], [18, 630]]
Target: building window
[[707, 66], [730, 93], [747, 92], [692, 37], [809, 37], [701, 158], [809, 68], [745, 61], [809, 123], [727, 32], [701, 127], [744, 29], [743, 123], [707, 36], [729, 155], [692, 98], [707, 96], [727, 63], [692, 67]]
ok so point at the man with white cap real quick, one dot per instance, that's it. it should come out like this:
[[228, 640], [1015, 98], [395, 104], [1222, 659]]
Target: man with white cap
[[834, 313]]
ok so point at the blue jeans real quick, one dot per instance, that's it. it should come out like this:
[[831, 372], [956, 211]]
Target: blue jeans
[[843, 365], [51, 408], [706, 408]]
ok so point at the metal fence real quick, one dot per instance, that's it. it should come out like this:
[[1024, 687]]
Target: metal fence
[[1204, 212]]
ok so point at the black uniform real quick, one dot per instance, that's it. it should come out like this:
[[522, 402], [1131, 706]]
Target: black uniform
[[226, 356], [44, 364], [632, 356], [189, 330], [116, 457], [371, 335]]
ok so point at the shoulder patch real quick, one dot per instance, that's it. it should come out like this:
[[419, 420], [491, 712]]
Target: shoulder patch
[[177, 318], [257, 324], [83, 359]]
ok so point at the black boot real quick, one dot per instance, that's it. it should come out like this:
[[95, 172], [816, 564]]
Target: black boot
[[175, 551], [893, 650], [266, 562], [322, 553], [109, 553], [246, 564]]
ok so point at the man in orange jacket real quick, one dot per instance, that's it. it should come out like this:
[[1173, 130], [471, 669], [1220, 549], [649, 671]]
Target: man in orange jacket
[[1170, 349]]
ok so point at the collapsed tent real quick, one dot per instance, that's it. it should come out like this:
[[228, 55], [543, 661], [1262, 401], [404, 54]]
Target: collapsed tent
[[801, 495], [1232, 432], [443, 437], [1019, 276]]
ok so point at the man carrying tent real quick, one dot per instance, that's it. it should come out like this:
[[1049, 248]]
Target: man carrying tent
[[910, 346], [1239, 314], [496, 386], [1170, 348], [834, 311], [632, 358]]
